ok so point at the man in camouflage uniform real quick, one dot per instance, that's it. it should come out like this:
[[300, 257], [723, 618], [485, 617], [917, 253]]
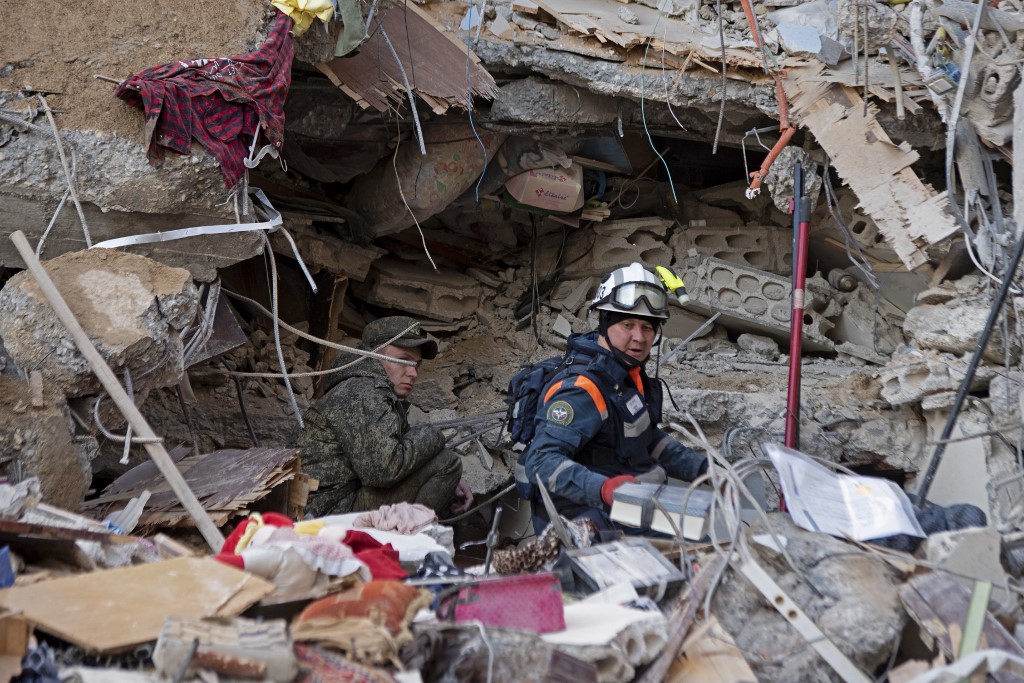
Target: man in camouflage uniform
[[358, 441]]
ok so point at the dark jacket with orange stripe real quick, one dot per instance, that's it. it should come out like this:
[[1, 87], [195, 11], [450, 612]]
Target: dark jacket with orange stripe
[[600, 423]]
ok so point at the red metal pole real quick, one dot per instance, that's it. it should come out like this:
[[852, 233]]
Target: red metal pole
[[796, 325]]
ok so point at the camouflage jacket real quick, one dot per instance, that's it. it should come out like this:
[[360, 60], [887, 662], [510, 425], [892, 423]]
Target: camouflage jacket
[[358, 435]]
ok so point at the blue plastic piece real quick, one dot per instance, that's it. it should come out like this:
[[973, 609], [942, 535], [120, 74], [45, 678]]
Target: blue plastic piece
[[6, 570]]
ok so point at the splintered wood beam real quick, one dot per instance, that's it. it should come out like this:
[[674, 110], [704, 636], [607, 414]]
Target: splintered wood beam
[[910, 214]]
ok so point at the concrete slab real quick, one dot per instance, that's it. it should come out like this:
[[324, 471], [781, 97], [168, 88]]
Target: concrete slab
[[970, 555]]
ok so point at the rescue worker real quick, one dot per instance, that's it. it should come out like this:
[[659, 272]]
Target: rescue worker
[[597, 419], [358, 442]]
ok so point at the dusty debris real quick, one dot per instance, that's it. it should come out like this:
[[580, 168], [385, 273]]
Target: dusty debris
[[657, 114], [909, 214], [132, 307], [134, 600], [227, 483]]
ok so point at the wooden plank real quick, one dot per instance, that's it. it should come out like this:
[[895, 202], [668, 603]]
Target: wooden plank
[[115, 609], [11, 528], [600, 19], [457, 42], [428, 55], [710, 655], [225, 482], [938, 603], [323, 322]]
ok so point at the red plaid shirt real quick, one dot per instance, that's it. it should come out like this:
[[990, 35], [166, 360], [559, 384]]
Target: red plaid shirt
[[217, 101]]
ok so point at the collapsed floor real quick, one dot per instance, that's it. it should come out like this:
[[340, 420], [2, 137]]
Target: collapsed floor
[[656, 119]]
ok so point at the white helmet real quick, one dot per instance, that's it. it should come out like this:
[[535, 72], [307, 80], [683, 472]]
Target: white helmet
[[632, 289]]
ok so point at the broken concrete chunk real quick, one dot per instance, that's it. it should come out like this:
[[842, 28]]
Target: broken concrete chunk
[[832, 51], [38, 443], [757, 345], [537, 100], [752, 300], [549, 32], [434, 393], [915, 374], [132, 308], [500, 26], [523, 21], [763, 247], [955, 326], [780, 177], [878, 330], [615, 243], [561, 327], [969, 555], [628, 16], [936, 295], [575, 298], [851, 596], [421, 290], [799, 40]]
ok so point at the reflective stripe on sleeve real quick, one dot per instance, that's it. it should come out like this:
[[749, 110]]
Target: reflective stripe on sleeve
[[554, 387], [588, 385]]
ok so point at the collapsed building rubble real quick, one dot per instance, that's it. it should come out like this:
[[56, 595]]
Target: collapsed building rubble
[[559, 141]]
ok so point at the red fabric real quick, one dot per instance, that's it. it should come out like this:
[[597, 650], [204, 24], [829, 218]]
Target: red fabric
[[231, 542], [217, 101], [612, 483], [227, 551], [382, 560], [231, 559], [360, 540], [277, 519]]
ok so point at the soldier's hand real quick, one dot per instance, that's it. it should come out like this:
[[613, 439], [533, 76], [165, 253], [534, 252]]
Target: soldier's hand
[[463, 498]]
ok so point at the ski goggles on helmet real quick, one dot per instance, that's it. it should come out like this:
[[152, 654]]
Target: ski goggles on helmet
[[629, 295]]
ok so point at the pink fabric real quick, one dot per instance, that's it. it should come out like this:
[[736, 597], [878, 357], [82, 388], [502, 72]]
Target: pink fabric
[[530, 602], [404, 518]]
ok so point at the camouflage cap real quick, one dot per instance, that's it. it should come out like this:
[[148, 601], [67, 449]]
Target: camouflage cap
[[383, 330]]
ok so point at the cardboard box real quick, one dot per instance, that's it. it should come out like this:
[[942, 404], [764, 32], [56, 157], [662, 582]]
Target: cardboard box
[[552, 189]]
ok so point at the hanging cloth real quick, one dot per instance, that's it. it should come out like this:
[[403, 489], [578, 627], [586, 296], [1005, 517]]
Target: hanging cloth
[[223, 103]]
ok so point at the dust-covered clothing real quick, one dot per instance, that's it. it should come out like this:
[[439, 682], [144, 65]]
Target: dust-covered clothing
[[596, 424], [359, 445]]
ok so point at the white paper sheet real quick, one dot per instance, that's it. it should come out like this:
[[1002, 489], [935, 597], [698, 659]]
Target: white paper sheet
[[841, 504]]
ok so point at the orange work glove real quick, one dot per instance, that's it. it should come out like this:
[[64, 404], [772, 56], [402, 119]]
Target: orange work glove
[[612, 483]]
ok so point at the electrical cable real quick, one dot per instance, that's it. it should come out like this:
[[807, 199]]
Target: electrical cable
[[53, 219], [408, 89], [668, 98], [721, 108], [469, 98], [277, 333], [324, 342], [643, 114], [242, 407], [68, 175], [467, 513], [398, 182]]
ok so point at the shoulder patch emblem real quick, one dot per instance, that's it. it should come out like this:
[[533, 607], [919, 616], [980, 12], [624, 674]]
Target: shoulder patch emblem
[[560, 412]]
